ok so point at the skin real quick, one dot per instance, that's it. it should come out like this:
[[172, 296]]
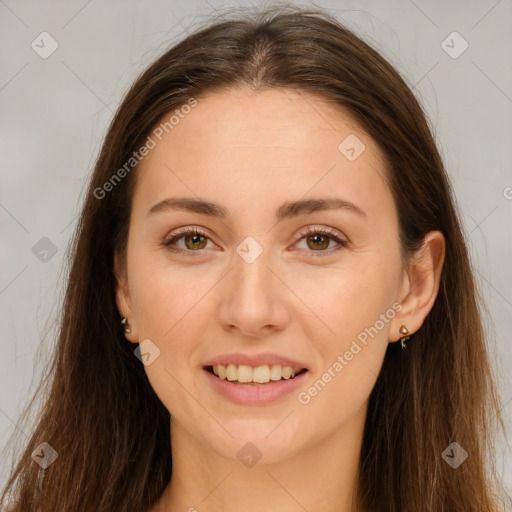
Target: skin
[[250, 152]]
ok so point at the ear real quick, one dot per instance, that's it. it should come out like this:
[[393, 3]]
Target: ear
[[420, 285], [122, 297]]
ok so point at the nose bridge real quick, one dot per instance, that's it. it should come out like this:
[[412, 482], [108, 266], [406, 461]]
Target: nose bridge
[[254, 295], [252, 278]]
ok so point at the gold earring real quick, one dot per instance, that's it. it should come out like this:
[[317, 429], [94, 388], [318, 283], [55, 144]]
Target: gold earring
[[124, 322], [403, 339]]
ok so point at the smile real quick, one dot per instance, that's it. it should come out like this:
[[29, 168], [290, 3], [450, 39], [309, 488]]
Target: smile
[[245, 374], [258, 385]]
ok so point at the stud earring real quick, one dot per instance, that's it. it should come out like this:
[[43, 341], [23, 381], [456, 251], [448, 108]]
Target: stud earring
[[124, 323], [403, 339]]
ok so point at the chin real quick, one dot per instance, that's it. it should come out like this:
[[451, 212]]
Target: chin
[[267, 440]]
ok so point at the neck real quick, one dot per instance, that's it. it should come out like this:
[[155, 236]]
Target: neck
[[321, 477]]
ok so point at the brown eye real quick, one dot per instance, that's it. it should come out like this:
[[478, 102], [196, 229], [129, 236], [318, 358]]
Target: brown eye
[[318, 241], [194, 241]]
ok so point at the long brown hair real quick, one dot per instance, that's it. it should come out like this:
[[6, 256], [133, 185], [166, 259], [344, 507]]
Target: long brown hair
[[100, 413]]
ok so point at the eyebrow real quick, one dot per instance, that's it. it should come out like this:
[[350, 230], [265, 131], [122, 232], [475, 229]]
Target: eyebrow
[[286, 210]]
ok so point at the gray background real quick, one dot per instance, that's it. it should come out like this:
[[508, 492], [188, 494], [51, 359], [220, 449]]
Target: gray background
[[54, 113]]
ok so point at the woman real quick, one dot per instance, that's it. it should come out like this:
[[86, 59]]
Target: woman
[[270, 304]]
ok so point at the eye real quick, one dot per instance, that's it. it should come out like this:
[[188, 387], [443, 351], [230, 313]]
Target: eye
[[318, 239], [195, 240], [193, 237]]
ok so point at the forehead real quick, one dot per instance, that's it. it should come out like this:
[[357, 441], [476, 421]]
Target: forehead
[[239, 146]]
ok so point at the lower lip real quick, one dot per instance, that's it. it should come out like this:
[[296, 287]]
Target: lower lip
[[255, 394]]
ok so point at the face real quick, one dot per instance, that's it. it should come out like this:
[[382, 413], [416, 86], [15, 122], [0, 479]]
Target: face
[[263, 286]]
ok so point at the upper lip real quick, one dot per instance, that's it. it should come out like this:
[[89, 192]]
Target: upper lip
[[254, 360]]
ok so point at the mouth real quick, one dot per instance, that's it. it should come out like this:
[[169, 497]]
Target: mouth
[[245, 375]]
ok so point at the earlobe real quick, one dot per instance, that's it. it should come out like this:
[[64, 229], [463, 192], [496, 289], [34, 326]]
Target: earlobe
[[421, 284]]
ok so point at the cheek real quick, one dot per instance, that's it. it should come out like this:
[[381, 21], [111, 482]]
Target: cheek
[[358, 315], [356, 304], [339, 393], [169, 312], [351, 297], [164, 297]]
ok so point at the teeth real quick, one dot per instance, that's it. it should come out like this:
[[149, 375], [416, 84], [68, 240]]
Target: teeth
[[244, 373], [260, 374], [287, 372], [275, 372], [231, 373]]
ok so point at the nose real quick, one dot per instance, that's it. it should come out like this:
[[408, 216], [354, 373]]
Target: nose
[[254, 298]]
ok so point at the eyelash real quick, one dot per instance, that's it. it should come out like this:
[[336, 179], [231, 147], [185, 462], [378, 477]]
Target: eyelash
[[309, 231]]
